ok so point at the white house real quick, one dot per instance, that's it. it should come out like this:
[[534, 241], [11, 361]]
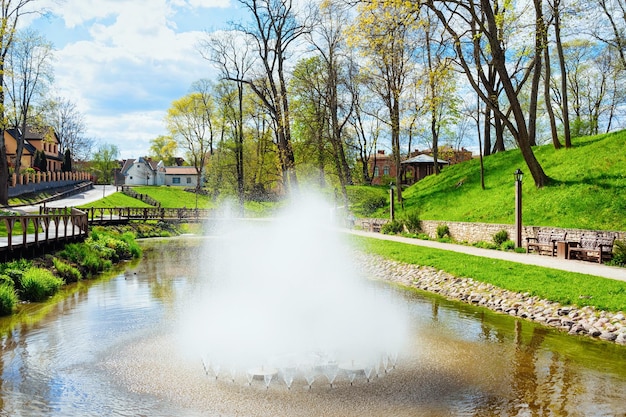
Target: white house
[[144, 171], [181, 176], [140, 171]]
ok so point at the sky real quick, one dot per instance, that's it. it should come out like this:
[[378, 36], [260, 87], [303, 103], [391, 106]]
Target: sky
[[123, 62]]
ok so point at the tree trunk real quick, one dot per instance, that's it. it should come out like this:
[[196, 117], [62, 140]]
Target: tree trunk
[[547, 92], [559, 46]]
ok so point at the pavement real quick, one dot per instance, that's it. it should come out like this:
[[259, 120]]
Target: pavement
[[98, 192], [583, 267]]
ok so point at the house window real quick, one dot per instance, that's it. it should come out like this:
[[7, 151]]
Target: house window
[[188, 180], [376, 171], [386, 170], [176, 180]]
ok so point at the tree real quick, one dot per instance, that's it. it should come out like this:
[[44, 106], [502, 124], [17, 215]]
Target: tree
[[383, 31], [328, 38], [64, 117], [12, 11], [66, 165], [28, 66], [190, 122], [272, 33], [164, 148], [104, 162], [231, 55], [476, 28]]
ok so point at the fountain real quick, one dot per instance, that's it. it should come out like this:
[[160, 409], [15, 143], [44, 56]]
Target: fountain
[[282, 303]]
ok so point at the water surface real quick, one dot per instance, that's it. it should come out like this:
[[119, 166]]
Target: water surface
[[112, 348]]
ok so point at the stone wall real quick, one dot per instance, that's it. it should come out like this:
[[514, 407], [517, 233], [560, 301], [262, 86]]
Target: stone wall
[[477, 232]]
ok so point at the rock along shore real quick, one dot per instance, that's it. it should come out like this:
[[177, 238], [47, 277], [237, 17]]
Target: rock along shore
[[586, 321]]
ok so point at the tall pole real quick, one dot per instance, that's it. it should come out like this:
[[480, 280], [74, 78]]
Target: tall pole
[[391, 206], [518, 208]]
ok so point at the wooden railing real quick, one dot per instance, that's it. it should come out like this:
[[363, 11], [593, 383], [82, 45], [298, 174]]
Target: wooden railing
[[139, 196], [54, 226], [120, 214]]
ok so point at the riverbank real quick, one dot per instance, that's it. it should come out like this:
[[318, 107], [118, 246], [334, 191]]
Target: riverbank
[[583, 321]]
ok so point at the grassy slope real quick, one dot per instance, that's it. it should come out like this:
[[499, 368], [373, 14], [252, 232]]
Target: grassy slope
[[588, 190]]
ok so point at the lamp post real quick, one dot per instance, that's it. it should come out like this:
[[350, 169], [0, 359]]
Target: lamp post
[[518, 174], [391, 202]]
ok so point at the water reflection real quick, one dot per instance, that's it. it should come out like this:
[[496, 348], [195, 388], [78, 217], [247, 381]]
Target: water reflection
[[110, 348]]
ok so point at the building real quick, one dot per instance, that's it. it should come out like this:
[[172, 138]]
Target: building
[[42, 139], [419, 164], [145, 171], [140, 171]]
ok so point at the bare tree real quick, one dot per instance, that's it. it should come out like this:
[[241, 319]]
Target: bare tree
[[64, 117], [12, 11], [469, 23], [273, 31], [231, 55]]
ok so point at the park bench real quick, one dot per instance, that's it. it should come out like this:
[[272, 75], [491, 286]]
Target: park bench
[[545, 242], [592, 247]]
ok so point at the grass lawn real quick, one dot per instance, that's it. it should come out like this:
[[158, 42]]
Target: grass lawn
[[587, 191], [567, 288], [116, 200]]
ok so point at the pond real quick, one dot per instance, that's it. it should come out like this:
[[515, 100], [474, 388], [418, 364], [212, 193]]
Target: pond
[[113, 347]]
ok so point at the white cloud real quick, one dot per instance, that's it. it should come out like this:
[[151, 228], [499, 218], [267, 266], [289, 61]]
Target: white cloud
[[129, 63]]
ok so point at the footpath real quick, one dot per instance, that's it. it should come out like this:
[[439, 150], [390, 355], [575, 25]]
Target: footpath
[[583, 267]]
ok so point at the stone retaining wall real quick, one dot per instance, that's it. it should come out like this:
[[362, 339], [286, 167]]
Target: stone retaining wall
[[587, 321], [484, 232]]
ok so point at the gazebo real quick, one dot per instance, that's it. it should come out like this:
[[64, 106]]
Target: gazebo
[[420, 166]]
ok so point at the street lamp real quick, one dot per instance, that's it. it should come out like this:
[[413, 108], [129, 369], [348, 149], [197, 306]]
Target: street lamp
[[391, 202], [518, 174]]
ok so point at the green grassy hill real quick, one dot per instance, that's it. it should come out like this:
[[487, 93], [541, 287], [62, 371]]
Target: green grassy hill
[[588, 189]]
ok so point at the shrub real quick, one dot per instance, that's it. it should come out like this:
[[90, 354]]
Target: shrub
[[619, 253], [66, 271], [7, 280], [373, 203], [412, 221], [508, 245], [8, 299], [485, 245], [500, 237], [442, 231], [38, 284], [423, 236], [392, 228]]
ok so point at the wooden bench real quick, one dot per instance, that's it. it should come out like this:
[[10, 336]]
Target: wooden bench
[[592, 247], [545, 242]]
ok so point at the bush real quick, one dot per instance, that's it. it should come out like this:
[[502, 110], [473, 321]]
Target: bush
[[412, 221], [485, 245], [423, 236], [7, 280], [619, 253], [373, 203], [392, 228], [442, 231], [500, 237], [8, 299], [38, 284], [508, 245], [66, 271]]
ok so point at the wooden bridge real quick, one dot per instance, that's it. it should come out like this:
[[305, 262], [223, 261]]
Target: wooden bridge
[[38, 233], [35, 234]]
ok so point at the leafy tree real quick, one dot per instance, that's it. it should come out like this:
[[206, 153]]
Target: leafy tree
[[104, 161], [384, 31], [164, 148], [190, 122]]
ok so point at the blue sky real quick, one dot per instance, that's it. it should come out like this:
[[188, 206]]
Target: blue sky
[[123, 62]]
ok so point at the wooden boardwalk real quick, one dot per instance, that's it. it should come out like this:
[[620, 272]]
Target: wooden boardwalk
[[48, 231], [53, 227]]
